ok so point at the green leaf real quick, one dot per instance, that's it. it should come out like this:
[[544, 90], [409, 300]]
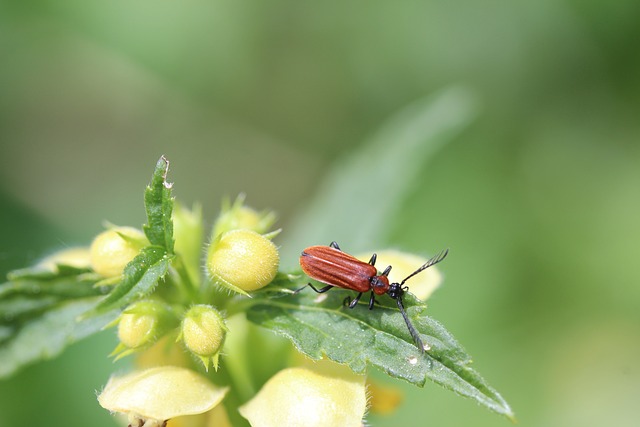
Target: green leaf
[[159, 205], [46, 336], [319, 324], [15, 309], [39, 272], [141, 276], [66, 287], [34, 290], [360, 194]]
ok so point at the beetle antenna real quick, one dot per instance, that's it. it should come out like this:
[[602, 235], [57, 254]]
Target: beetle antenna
[[434, 260], [412, 330]]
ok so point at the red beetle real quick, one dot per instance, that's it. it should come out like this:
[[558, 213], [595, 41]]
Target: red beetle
[[328, 264]]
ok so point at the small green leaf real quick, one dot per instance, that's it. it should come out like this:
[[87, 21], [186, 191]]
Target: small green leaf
[[319, 324], [141, 276], [33, 291], [46, 336], [159, 205], [66, 287], [39, 272]]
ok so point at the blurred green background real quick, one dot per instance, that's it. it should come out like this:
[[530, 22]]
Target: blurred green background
[[538, 199]]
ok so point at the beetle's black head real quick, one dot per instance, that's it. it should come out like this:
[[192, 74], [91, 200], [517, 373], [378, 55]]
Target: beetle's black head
[[396, 290]]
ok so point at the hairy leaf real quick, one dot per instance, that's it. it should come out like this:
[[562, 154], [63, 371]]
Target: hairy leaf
[[32, 291], [159, 205], [319, 324], [46, 336], [39, 272], [141, 276], [67, 287]]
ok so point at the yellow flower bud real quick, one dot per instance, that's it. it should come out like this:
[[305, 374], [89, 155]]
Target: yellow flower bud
[[142, 324], [134, 330], [113, 249], [301, 397], [242, 260], [238, 216], [154, 395], [73, 257], [421, 285], [203, 332]]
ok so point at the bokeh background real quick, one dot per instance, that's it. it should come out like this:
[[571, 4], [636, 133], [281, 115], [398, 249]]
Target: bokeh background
[[538, 197]]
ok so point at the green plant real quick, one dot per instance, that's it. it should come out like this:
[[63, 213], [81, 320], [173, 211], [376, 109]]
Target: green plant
[[178, 322]]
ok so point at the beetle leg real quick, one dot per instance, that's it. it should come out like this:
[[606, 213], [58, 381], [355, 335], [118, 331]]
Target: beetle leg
[[372, 300], [349, 303], [334, 245], [356, 300], [318, 291], [386, 271], [372, 261]]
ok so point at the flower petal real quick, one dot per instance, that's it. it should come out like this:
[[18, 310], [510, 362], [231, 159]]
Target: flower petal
[[301, 397], [161, 393]]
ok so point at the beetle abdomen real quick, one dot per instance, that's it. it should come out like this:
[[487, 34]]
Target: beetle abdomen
[[336, 268]]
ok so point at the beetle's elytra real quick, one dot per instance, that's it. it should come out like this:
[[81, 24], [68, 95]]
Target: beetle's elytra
[[329, 265]]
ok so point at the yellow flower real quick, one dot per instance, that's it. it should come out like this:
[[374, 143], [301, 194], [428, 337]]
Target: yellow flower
[[217, 417], [155, 395], [309, 397]]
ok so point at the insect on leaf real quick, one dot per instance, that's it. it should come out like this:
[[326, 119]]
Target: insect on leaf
[[320, 325]]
